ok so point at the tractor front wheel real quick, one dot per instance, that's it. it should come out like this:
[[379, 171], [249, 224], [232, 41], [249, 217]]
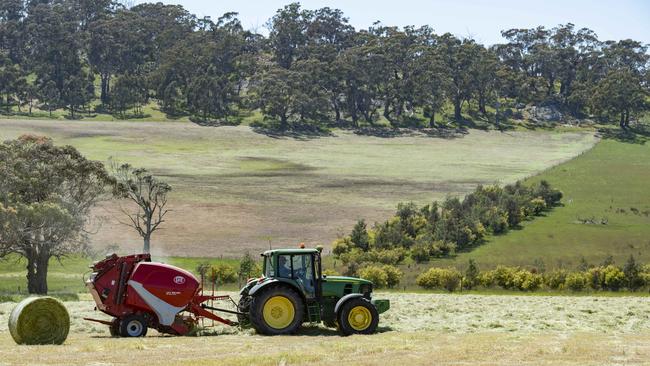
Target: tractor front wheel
[[276, 310], [358, 316], [133, 326]]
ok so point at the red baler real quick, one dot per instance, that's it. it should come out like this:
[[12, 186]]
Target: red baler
[[141, 294]]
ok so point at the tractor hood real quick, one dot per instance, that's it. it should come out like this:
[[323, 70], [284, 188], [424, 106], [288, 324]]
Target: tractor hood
[[345, 279]]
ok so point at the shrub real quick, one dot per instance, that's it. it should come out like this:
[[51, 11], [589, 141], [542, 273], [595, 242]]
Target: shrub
[[471, 275], [595, 278], [526, 281], [420, 253], [516, 278], [393, 275], [341, 246], [614, 278], [555, 279], [550, 195], [223, 273], [375, 274], [359, 236], [497, 221], [387, 256], [576, 281], [449, 279], [331, 272], [537, 205], [486, 279], [248, 268]]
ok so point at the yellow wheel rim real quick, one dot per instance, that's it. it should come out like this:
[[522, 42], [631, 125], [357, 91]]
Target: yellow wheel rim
[[278, 312], [360, 318]]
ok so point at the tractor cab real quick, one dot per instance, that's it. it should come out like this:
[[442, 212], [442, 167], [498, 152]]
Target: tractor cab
[[293, 290]]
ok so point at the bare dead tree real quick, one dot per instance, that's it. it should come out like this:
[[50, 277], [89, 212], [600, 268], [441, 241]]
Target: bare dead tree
[[149, 195]]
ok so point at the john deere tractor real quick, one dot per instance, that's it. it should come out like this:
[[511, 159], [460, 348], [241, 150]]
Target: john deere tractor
[[293, 291]]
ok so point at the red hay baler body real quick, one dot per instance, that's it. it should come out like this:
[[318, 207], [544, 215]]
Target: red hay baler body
[[141, 294]]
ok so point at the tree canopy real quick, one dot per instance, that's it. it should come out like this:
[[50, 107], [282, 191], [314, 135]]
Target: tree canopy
[[312, 68]]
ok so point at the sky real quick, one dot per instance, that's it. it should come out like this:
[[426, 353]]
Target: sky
[[479, 19]]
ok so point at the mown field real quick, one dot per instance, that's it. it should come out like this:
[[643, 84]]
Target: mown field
[[421, 329], [235, 189]]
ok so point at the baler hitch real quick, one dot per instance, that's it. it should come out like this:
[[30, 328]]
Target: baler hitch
[[222, 310]]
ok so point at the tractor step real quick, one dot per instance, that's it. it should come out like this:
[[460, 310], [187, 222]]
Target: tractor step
[[313, 312]]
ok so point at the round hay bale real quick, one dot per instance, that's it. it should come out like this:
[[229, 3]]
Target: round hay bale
[[39, 320]]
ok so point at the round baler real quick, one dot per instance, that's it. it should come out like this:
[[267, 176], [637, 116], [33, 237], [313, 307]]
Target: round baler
[[141, 294]]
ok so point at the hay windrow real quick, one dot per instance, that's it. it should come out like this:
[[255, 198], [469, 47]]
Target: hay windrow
[[39, 320]]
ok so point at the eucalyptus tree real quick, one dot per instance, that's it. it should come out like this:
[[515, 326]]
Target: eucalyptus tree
[[46, 196]]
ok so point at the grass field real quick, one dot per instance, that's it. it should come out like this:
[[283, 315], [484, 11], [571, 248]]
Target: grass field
[[421, 329], [235, 189], [610, 183]]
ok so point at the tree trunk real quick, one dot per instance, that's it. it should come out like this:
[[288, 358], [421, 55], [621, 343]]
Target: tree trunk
[[387, 110], [147, 244], [337, 111], [457, 109], [432, 119], [622, 121], [37, 274], [284, 125], [105, 88]]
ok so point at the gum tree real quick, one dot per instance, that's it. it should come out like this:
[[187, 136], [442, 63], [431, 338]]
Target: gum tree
[[46, 194]]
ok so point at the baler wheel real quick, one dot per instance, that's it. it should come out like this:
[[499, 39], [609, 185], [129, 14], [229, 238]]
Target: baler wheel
[[114, 328], [276, 310], [133, 326], [358, 316]]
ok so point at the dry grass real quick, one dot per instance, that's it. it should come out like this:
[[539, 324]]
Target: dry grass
[[420, 329], [236, 189]]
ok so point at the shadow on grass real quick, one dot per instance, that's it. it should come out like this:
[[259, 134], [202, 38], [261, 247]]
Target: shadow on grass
[[298, 132], [638, 134], [386, 132]]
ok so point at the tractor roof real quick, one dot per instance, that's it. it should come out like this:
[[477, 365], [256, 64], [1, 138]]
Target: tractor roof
[[290, 251]]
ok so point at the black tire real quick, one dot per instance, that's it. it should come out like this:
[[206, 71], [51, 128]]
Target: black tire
[[114, 328], [244, 306], [278, 294], [133, 326], [365, 326]]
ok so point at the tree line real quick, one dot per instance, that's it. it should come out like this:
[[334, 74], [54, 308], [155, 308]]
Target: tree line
[[313, 67], [439, 230]]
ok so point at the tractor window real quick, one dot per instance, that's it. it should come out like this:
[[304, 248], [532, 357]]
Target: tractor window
[[284, 266], [303, 272], [269, 271]]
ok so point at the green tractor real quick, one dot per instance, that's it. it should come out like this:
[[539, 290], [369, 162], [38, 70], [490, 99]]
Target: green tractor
[[293, 290]]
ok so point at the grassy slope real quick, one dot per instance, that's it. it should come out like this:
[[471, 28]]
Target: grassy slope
[[611, 177], [235, 189]]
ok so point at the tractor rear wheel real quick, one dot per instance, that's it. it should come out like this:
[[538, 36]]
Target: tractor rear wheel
[[358, 316], [133, 326], [276, 310]]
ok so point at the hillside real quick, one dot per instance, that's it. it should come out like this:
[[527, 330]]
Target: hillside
[[235, 189], [608, 184]]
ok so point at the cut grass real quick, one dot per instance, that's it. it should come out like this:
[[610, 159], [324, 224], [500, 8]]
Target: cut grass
[[421, 329]]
